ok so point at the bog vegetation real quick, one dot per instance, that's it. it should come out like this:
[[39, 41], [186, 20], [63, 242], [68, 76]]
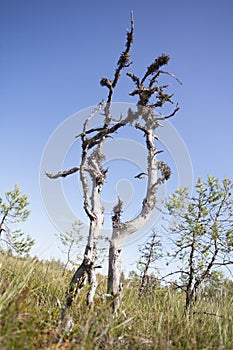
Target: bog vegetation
[[193, 310], [51, 305], [30, 291]]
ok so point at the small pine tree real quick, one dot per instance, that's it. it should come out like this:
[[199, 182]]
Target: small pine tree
[[203, 230], [150, 253], [13, 211], [71, 242]]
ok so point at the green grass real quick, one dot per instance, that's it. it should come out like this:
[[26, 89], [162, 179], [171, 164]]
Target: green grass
[[29, 315]]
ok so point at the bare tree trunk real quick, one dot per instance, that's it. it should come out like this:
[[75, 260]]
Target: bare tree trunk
[[189, 298], [114, 273], [122, 230], [67, 261], [92, 160], [144, 277], [85, 272], [94, 210], [191, 291]]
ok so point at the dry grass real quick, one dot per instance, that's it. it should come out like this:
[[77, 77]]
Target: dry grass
[[29, 315]]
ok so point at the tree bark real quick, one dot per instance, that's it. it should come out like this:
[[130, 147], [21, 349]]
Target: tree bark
[[122, 230], [114, 272]]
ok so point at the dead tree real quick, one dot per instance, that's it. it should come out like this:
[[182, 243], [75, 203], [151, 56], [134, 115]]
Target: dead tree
[[145, 121], [91, 168]]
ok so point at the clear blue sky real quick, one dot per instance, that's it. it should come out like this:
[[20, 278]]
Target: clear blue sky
[[53, 54]]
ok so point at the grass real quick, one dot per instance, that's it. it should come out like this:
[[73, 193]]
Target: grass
[[29, 315]]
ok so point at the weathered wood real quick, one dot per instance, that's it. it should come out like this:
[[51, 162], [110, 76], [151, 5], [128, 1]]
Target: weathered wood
[[92, 140]]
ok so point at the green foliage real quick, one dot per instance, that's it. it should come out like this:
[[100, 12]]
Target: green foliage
[[13, 211], [15, 207], [203, 229], [150, 252], [30, 292], [71, 244], [22, 244]]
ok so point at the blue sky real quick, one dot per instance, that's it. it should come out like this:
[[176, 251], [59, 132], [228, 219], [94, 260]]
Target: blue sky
[[54, 53]]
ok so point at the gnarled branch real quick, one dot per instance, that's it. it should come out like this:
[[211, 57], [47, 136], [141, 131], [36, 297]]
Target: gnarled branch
[[62, 173]]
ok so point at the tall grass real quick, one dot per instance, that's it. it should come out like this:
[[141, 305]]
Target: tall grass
[[29, 315]]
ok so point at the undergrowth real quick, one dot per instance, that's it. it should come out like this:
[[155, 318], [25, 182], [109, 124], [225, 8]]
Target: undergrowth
[[30, 296]]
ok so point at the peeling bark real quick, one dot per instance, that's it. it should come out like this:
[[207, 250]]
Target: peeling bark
[[114, 273], [93, 139], [121, 230]]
